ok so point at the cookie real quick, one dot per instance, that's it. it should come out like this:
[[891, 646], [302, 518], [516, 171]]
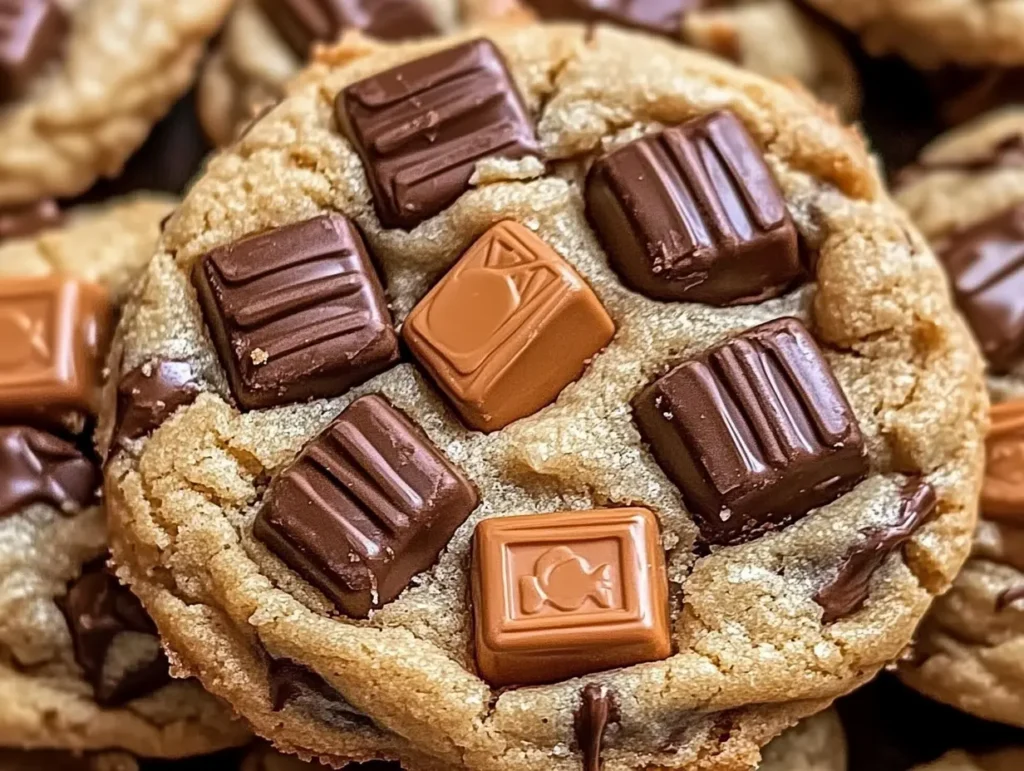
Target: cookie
[[81, 668], [539, 376], [967, 195], [14, 760], [256, 56], [1005, 760], [932, 33], [82, 82]]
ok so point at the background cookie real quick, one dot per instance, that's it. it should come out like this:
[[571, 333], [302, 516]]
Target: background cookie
[[80, 666], [967, 195], [1006, 760], [800, 612], [98, 75]]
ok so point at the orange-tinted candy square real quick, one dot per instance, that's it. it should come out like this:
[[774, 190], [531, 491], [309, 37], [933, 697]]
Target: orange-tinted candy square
[[53, 329], [562, 595], [507, 328]]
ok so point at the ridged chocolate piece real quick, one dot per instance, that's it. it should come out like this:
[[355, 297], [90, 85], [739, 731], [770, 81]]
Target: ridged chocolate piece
[[597, 711], [22, 221], [663, 17], [847, 592], [151, 393], [304, 22], [694, 214], [31, 33], [296, 313], [986, 265], [756, 432], [99, 610], [36, 467], [421, 128], [367, 505]]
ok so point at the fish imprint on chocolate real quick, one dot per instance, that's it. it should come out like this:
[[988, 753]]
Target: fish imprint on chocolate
[[571, 494]]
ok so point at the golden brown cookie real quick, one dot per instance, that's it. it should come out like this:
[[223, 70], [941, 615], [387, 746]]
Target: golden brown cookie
[[791, 577], [81, 668]]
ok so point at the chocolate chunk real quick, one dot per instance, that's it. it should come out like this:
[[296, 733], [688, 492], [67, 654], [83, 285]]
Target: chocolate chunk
[[851, 586], [150, 394], [1008, 597], [293, 683], [304, 22], [296, 313], [31, 33], [54, 330], [22, 221], [507, 328], [755, 432], [597, 710], [694, 214], [663, 17], [1002, 495], [367, 505], [986, 265], [421, 128], [965, 93], [39, 468], [1007, 153], [115, 641], [565, 594]]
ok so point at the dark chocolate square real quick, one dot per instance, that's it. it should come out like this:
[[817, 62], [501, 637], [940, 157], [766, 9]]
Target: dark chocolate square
[[755, 432], [304, 22], [662, 17], [296, 313], [986, 265], [694, 214], [421, 128], [367, 505], [31, 32]]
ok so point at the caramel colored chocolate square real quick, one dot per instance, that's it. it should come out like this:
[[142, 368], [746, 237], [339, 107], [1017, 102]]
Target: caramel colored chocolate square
[[562, 595], [507, 328], [53, 330]]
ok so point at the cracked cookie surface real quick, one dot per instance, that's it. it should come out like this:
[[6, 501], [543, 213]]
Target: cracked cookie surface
[[751, 650], [970, 650], [122, 65], [48, 700]]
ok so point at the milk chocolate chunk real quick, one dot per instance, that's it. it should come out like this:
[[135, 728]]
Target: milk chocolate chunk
[[986, 265], [53, 331], [304, 22], [36, 467], [296, 313], [598, 709], [367, 505], [694, 214], [1002, 495], [116, 643], [561, 595], [508, 327], [847, 592], [421, 128], [151, 393], [755, 432], [21, 221], [31, 33], [663, 17]]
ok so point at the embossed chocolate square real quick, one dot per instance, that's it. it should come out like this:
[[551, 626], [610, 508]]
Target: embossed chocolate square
[[31, 32], [296, 313], [422, 127], [756, 432], [304, 22], [694, 214], [566, 594], [507, 328], [53, 330], [986, 265], [367, 505]]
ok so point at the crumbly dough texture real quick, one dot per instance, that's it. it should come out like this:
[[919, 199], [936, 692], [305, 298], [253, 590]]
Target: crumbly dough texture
[[125, 64], [1004, 760], [932, 33], [45, 702], [251, 65], [752, 654], [968, 653]]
